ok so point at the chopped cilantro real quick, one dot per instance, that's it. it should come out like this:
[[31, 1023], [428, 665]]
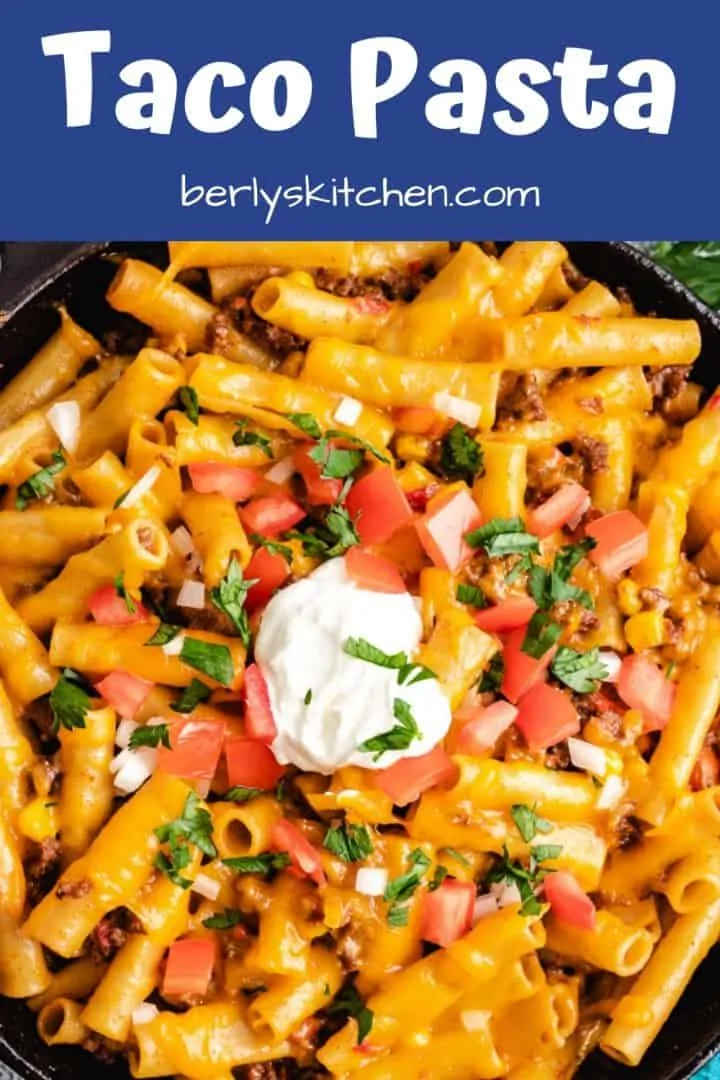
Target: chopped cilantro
[[461, 456], [349, 1001], [541, 635], [580, 671], [529, 824], [69, 701], [150, 735], [259, 864], [226, 920], [491, 679], [397, 738], [192, 696], [164, 633], [503, 536], [212, 660], [470, 594], [229, 597], [351, 843], [41, 483], [119, 583], [243, 437], [189, 403], [194, 826]]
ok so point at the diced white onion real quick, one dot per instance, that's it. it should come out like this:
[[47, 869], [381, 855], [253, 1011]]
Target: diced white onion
[[281, 471], [124, 730], [371, 880], [348, 412], [174, 646], [465, 412], [64, 418], [585, 755], [574, 521], [612, 663], [475, 1019], [144, 1013], [206, 886], [506, 893], [611, 793], [484, 905], [140, 489], [120, 759], [182, 541], [418, 602], [136, 770], [191, 595]]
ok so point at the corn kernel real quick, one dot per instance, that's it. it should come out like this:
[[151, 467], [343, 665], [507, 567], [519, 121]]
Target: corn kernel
[[628, 596], [38, 820], [415, 477], [645, 630], [412, 448]]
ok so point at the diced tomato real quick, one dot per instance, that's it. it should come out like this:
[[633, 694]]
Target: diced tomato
[[447, 913], [196, 746], [420, 497], [622, 541], [271, 515], [259, 722], [378, 506], [566, 504], [449, 516], [419, 421], [110, 609], [481, 728], [319, 492], [251, 764], [371, 305], [568, 902], [189, 966], [706, 772], [507, 615], [232, 481], [406, 780], [522, 672], [642, 685], [373, 572], [270, 570], [124, 692], [546, 716], [284, 836]]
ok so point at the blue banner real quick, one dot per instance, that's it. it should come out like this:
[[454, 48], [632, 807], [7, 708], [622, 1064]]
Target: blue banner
[[387, 119]]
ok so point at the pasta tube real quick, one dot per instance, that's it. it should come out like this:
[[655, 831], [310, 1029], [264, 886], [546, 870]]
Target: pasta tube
[[59, 1023], [526, 268], [47, 535], [24, 663], [216, 532], [86, 796], [612, 946], [23, 971], [211, 439], [335, 255], [299, 307]]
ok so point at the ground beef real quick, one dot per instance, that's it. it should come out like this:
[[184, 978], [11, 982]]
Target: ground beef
[[306, 1036], [42, 870], [520, 398], [97, 1046], [592, 405], [593, 452], [39, 714], [666, 383], [110, 934], [286, 1069], [74, 889], [574, 278], [628, 831], [237, 314], [588, 621], [208, 618], [350, 950], [389, 285], [655, 599], [557, 757]]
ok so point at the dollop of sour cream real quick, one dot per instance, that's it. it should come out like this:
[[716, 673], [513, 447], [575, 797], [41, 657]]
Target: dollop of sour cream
[[325, 702]]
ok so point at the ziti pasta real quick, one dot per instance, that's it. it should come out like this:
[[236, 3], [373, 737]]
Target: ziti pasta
[[359, 668]]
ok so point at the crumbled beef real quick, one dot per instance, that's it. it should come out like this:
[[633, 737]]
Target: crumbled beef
[[111, 933], [520, 398], [286, 1069], [557, 757], [588, 621], [306, 1036], [655, 599], [666, 383], [574, 278], [74, 889], [39, 714], [592, 405], [208, 618], [628, 831], [388, 285], [350, 949], [42, 870], [237, 314], [98, 1047], [594, 453]]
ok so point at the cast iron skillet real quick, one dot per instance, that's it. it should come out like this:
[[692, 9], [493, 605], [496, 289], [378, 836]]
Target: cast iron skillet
[[33, 278]]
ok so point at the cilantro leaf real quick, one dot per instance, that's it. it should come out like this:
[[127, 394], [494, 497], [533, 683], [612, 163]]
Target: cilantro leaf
[[580, 671], [368, 447], [526, 880], [212, 660], [225, 920], [441, 872], [193, 827], [491, 679], [164, 633], [503, 536], [398, 915], [342, 530], [150, 735], [349, 1001], [470, 594], [306, 423], [401, 889], [529, 824], [119, 583], [259, 864], [336, 463], [229, 597], [192, 696], [543, 852], [547, 588], [69, 701], [569, 556], [41, 483], [351, 843], [397, 738], [189, 404], [242, 794], [461, 456], [408, 672], [308, 697], [242, 437], [454, 854], [273, 547], [541, 635]]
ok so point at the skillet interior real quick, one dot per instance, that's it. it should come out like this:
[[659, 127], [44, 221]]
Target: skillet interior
[[79, 276]]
